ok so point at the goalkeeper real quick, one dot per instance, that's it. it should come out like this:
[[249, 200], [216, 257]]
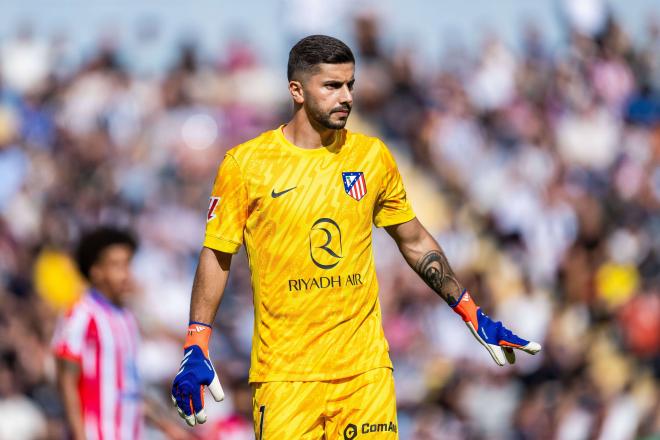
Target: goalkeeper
[[302, 198]]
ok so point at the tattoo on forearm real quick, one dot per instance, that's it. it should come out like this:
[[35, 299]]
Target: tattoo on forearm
[[434, 269]]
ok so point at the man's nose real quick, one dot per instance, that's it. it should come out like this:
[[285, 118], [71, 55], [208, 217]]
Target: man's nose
[[346, 96]]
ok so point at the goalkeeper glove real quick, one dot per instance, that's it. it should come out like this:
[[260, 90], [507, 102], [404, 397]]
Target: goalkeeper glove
[[196, 372], [498, 340]]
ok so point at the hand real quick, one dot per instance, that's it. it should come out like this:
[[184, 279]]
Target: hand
[[196, 372], [498, 340]]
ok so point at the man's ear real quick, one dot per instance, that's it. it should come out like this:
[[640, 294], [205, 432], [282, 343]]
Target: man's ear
[[296, 90]]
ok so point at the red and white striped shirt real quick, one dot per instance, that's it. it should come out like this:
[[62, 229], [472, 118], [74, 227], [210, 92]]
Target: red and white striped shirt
[[103, 339]]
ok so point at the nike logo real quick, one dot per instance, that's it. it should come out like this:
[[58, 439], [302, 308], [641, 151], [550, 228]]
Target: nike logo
[[275, 195]]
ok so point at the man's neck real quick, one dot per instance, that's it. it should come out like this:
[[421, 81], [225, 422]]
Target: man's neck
[[300, 131], [105, 297]]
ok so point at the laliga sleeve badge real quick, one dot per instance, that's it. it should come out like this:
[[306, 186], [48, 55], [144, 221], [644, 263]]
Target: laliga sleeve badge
[[213, 204], [354, 184]]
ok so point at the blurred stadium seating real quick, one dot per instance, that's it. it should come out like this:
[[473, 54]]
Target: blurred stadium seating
[[537, 168]]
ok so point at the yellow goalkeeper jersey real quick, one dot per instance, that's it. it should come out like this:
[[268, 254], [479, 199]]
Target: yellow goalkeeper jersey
[[305, 217]]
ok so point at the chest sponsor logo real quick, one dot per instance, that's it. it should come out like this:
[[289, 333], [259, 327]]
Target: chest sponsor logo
[[325, 247], [355, 184], [305, 284], [325, 251]]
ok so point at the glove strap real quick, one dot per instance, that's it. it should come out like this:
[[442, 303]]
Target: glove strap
[[467, 308], [198, 334]]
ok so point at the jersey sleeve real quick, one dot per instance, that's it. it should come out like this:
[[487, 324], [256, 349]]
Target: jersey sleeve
[[392, 205], [70, 335], [228, 205]]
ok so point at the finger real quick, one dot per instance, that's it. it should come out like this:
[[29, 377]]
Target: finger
[[526, 346], [190, 418], [509, 354], [176, 405], [178, 410], [181, 414], [184, 405], [179, 402], [494, 350], [200, 416], [216, 389], [198, 405], [497, 354], [531, 348], [174, 393]]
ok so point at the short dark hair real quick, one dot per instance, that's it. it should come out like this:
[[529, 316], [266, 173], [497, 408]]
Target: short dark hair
[[93, 243], [314, 50]]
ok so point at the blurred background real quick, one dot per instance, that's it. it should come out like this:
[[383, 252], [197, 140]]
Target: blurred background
[[528, 135]]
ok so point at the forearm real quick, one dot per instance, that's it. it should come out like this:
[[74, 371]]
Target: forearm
[[67, 383], [426, 257], [196, 370], [209, 285]]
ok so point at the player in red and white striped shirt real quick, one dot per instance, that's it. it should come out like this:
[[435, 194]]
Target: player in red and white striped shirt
[[96, 344]]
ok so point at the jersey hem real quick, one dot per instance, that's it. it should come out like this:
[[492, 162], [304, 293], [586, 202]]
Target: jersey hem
[[317, 377], [221, 244]]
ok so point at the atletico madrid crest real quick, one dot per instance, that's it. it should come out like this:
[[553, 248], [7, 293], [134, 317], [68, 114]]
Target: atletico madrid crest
[[354, 184]]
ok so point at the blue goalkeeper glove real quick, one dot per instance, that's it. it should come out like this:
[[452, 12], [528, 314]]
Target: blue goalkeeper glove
[[497, 339], [196, 372]]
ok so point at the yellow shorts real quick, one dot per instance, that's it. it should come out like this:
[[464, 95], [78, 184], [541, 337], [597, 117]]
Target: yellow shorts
[[358, 407]]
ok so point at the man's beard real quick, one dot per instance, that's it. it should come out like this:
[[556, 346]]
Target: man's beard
[[324, 119]]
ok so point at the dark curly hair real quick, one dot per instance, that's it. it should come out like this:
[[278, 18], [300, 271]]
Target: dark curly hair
[[94, 242]]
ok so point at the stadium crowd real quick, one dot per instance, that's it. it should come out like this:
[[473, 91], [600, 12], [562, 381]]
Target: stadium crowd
[[536, 168]]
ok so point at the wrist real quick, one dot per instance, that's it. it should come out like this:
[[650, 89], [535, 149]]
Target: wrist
[[466, 307], [198, 334]]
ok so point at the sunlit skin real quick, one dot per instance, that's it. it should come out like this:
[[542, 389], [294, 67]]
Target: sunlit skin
[[111, 274], [323, 99]]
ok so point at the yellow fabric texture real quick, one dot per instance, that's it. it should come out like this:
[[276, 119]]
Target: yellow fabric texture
[[317, 314], [362, 406]]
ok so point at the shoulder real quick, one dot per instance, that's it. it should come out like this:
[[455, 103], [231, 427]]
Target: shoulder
[[74, 324], [369, 146], [78, 311], [243, 152], [361, 140]]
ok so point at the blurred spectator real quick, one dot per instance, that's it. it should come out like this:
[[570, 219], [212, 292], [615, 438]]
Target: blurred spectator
[[96, 345], [26, 62]]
